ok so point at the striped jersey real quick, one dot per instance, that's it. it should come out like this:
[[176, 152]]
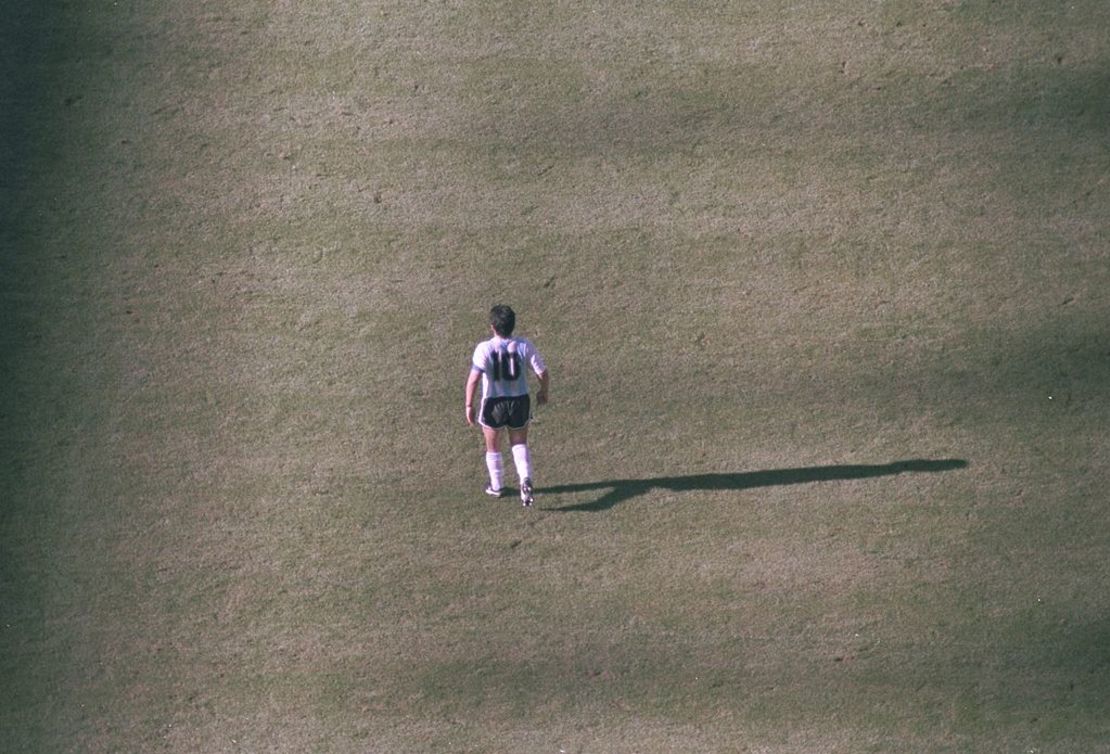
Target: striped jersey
[[502, 363]]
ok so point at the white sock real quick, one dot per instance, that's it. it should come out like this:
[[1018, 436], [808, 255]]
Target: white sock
[[523, 460], [493, 463]]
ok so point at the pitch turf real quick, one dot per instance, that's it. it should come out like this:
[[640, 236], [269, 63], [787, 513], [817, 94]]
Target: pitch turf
[[823, 288]]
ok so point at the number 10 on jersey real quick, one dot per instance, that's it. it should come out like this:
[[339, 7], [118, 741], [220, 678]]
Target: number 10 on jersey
[[506, 366]]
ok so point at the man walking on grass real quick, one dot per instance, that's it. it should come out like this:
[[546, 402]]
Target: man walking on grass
[[500, 365]]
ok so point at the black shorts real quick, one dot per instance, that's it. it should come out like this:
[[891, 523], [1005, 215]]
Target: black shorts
[[514, 412]]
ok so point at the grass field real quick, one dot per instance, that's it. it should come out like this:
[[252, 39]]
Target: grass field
[[824, 290]]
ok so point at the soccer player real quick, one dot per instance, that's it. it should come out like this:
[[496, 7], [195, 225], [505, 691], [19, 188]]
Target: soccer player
[[500, 365]]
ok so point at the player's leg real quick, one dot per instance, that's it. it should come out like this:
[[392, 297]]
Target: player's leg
[[492, 436], [522, 459]]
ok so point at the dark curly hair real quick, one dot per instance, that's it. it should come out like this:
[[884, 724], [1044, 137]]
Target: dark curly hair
[[503, 319]]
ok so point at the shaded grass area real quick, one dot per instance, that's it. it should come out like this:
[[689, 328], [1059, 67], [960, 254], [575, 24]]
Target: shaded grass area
[[620, 490], [254, 245]]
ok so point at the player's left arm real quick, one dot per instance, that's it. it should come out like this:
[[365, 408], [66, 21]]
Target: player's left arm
[[471, 392]]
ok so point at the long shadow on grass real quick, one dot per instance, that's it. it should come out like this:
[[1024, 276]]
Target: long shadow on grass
[[621, 490]]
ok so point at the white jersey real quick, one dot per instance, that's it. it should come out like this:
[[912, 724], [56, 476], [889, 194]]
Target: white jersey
[[501, 362]]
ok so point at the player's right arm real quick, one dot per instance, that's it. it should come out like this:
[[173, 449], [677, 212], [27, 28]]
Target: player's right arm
[[545, 380], [539, 368]]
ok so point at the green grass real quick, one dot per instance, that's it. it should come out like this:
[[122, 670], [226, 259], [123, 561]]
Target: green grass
[[246, 249]]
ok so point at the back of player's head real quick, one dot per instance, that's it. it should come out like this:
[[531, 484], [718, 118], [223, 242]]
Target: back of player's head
[[503, 319]]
